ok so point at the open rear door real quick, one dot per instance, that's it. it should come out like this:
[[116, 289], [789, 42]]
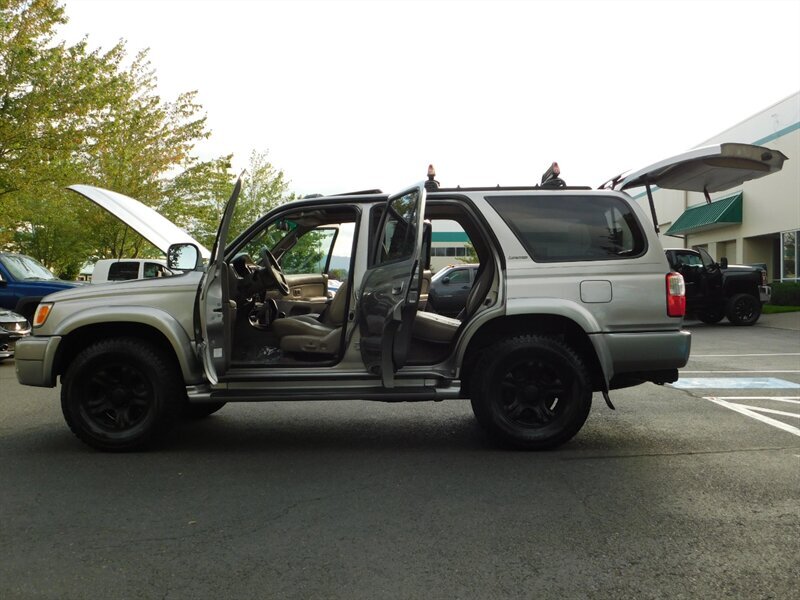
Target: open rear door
[[710, 169], [216, 310], [391, 289], [707, 170]]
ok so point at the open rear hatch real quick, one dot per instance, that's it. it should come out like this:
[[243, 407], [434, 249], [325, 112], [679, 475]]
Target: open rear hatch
[[707, 170]]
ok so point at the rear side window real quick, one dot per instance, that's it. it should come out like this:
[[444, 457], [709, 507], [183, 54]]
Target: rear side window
[[122, 271], [562, 228]]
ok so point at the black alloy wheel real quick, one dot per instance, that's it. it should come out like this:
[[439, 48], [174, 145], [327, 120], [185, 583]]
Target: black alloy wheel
[[121, 394], [531, 392], [743, 309]]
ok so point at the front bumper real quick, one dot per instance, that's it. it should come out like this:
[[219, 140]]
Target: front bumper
[[34, 361], [764, 293]]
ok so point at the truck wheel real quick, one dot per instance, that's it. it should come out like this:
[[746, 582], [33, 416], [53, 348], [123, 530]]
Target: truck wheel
[[121, 394], [200, 410], [711, 316], [743, 309], [531, 392]]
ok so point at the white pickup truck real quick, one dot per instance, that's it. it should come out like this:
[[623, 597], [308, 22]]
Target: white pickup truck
[[124, 269]]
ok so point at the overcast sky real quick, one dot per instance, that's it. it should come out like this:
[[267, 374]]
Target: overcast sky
[[355, 95]]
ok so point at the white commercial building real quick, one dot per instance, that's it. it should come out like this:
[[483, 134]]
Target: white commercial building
[[757, 223]]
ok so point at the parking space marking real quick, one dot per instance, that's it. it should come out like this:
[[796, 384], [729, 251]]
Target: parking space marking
[[734, 355], [789, 399], [733, 383], [764, 371], [755, 415]]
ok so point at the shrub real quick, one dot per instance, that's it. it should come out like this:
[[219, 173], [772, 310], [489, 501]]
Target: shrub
[[786, 293]]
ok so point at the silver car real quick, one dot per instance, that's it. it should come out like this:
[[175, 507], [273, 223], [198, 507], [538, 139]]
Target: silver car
[[12, 328], [573, 295]]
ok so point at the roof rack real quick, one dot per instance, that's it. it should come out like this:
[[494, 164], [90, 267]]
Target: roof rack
[[551, 180]]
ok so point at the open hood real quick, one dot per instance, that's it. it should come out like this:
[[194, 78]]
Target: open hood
[[707, 170], [156, 229]]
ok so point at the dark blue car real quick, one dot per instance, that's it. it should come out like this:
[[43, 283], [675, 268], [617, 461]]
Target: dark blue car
[[24, 281]]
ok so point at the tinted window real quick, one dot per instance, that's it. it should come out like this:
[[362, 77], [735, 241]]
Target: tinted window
[[398, 235], [459, 276], [122, 271], [572, 228]]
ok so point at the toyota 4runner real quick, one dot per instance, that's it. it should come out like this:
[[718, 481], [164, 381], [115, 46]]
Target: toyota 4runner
[[573, 295]]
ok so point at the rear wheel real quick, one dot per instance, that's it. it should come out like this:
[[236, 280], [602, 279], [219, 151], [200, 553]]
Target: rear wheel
[[743, 309], [531, 392], [121, 394]]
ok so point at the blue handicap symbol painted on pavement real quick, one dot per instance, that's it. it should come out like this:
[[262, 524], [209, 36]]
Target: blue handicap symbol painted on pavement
[[734, 383]]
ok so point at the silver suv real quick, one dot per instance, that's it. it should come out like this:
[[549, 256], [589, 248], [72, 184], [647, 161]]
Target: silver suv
[[573, 295]]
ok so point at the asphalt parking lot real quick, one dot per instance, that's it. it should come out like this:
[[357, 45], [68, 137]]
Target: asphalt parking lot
[[682, 492]]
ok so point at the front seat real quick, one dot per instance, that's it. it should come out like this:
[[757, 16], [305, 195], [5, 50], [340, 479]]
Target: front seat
[[316, 334]]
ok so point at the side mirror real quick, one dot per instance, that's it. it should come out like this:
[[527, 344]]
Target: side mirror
[[723, 262], [445, 280], [183, 257]]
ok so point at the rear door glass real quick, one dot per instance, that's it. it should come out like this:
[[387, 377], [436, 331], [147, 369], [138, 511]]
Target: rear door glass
[[123, 271], [564, 228]]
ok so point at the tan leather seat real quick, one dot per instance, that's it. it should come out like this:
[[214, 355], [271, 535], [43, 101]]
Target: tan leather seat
[[432, 327], [317, 334]]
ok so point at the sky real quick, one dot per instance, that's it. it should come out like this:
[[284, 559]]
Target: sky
[[358, 95]]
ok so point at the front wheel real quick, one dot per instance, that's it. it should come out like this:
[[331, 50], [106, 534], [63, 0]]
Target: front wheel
[[743, 309], [531, 392], [121, 394]]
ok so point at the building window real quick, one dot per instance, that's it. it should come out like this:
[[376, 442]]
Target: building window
[[789, 255]]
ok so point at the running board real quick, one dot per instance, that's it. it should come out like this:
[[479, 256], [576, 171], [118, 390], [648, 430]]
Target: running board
[[225, 393]]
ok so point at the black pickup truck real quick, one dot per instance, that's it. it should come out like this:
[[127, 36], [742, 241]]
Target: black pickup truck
[[715, 290]]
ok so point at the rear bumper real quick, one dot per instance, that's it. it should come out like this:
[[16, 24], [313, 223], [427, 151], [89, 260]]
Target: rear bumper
[[652, 351], [34, 360], [764, 293]]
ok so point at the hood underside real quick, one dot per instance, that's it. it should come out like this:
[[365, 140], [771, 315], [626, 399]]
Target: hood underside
[[152, 226]]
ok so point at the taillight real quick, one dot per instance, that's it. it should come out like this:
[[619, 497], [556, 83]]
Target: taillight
[[676, 295]]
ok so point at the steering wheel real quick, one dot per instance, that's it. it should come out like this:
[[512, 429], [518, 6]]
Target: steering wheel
[[269, 263]]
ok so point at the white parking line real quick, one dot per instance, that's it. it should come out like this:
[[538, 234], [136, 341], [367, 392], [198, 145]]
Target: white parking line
[[754, 415], [728, 371], [732, 355], [771, 411], [789, 399]]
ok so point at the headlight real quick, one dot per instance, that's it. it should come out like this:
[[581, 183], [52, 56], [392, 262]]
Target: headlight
[[42, 312]]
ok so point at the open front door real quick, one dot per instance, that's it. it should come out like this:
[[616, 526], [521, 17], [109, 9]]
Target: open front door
[[216, 310], [391, 289]]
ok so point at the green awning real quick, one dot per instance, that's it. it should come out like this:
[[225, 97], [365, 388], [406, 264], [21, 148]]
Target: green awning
[[720, 213]]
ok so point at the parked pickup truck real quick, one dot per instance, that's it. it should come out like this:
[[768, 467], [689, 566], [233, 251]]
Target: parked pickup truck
[[24, 281], [715, 290]]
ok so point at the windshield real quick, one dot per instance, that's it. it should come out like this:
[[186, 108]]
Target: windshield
[[24, 267]]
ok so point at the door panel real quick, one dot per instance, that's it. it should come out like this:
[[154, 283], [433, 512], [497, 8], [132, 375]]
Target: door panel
[[216, 310], [391, 289]]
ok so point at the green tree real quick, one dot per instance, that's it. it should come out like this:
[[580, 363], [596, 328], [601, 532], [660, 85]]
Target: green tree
[[52, 97], [472, 256], [264, 188]]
